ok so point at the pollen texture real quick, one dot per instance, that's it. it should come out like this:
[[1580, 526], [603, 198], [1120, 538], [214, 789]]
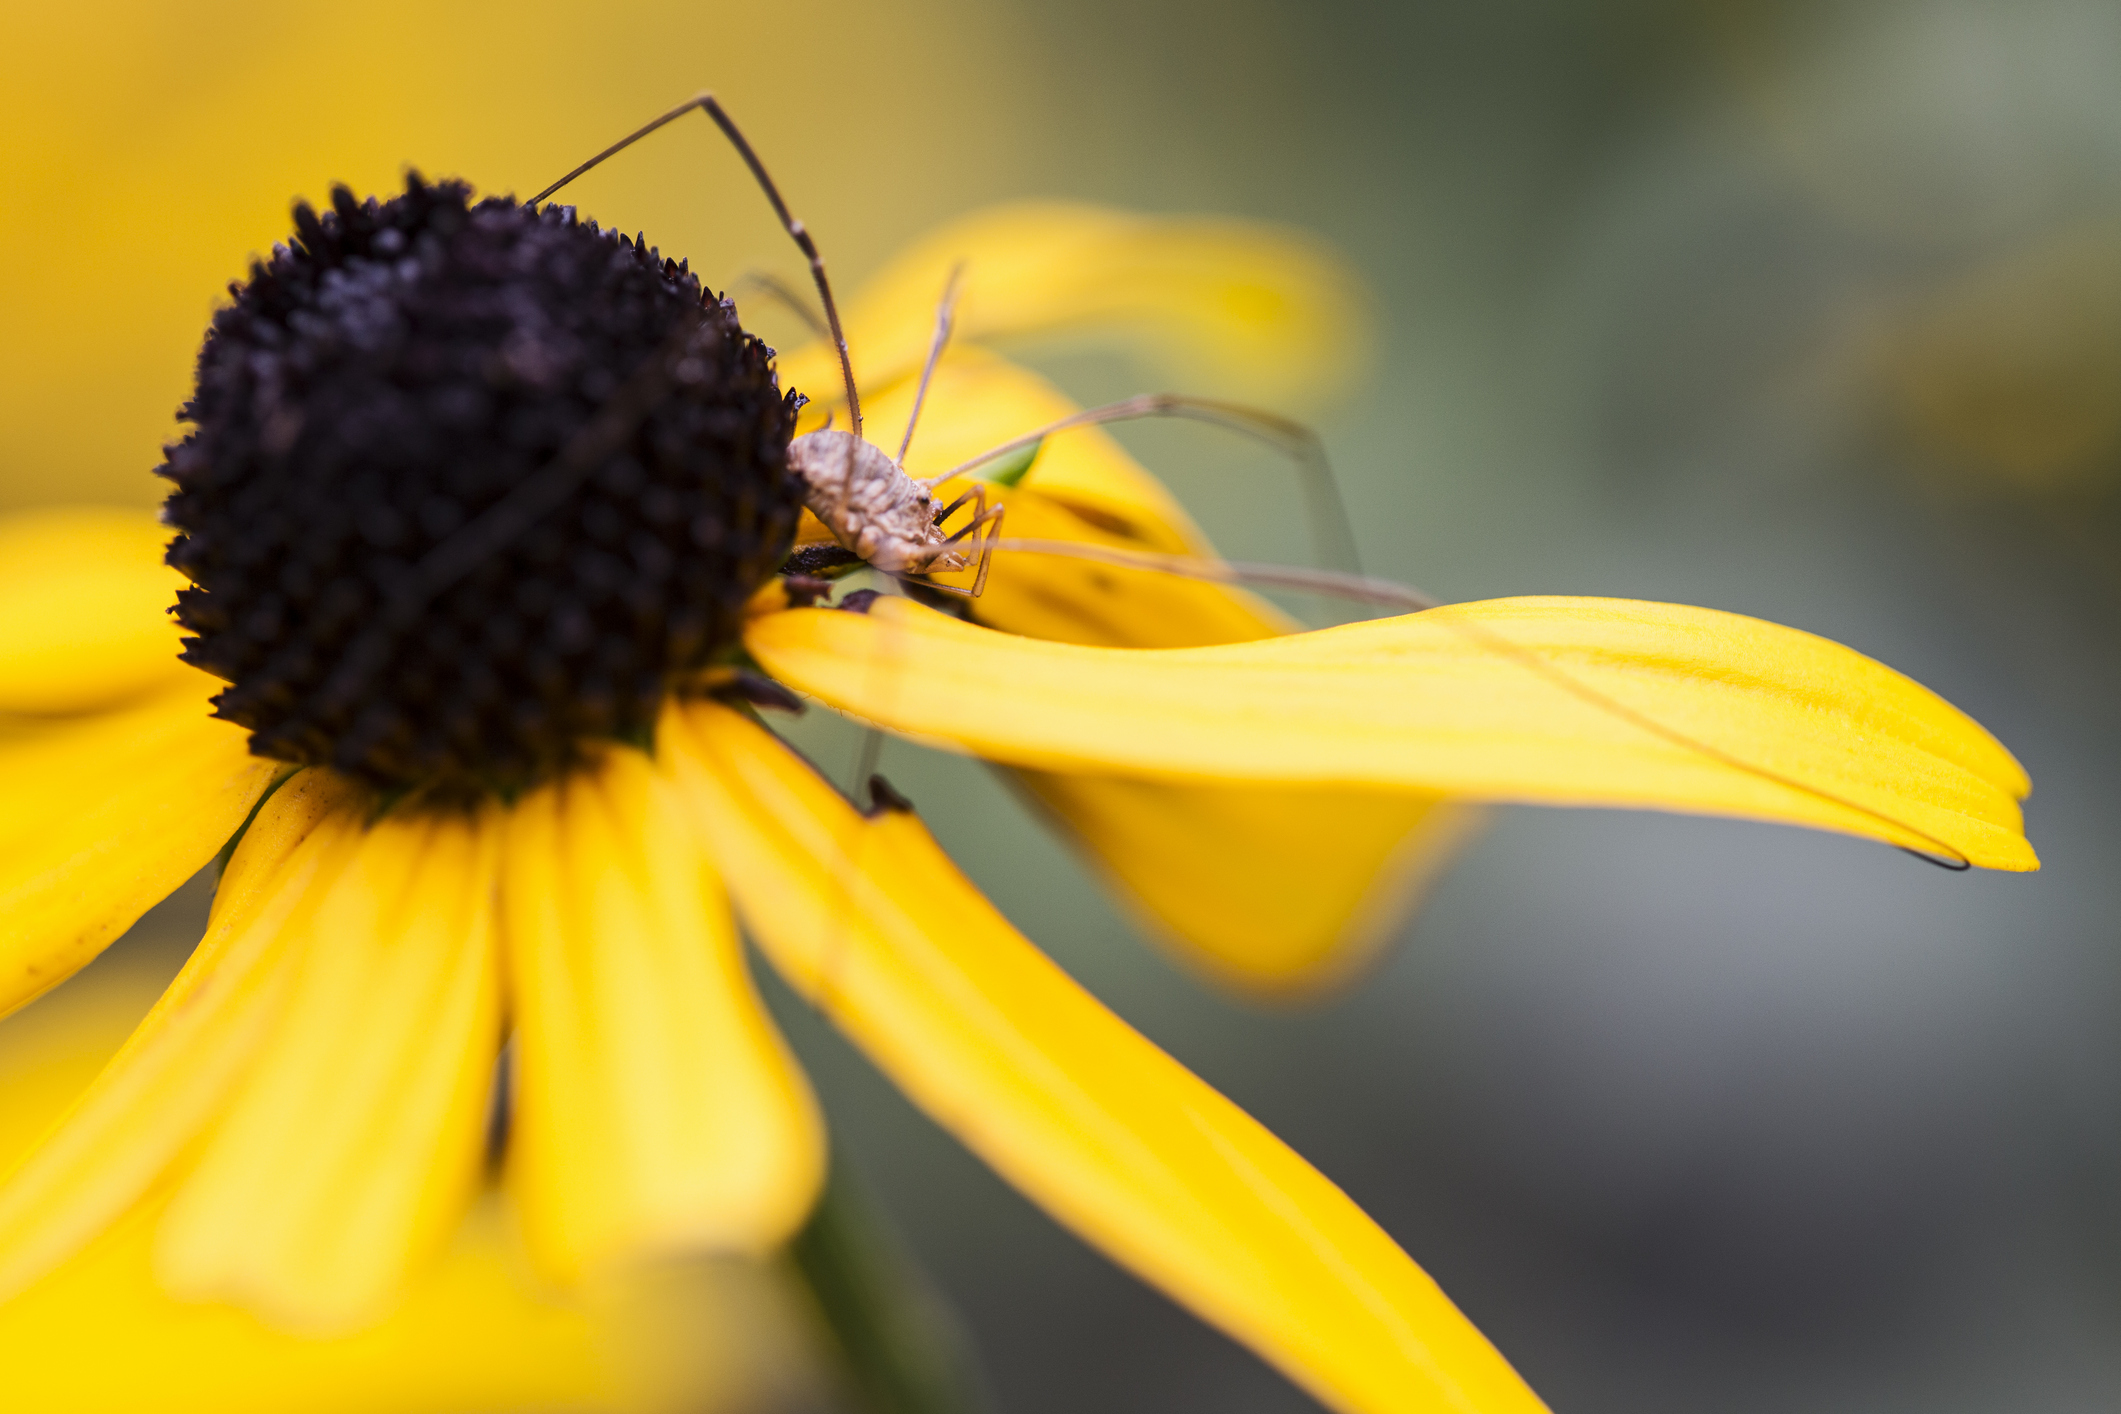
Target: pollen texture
[[468, 487]]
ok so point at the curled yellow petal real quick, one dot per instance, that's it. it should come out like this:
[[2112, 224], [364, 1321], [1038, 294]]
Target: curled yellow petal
[[101, 818], [657, 1108], [351, 1149], [1260, 312], [871, 921], [1550, 701], [1274, 890], [162, 1087], [84, 609]]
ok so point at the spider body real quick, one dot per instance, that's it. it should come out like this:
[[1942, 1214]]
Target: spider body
[[871, 506]]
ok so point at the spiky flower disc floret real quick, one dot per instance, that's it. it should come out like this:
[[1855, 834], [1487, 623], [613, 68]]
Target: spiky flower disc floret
[[391, 374]]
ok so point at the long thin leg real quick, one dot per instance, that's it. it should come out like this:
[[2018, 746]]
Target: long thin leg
[[945, 317], [1333, 538], [993, 520], [982, 514], [984, 517], [1356, 588], [866, 755], [977, 493], [986, 549], [706, 103]]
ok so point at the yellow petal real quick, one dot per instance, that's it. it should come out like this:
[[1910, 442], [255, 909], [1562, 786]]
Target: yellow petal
[[100, 1337], [162, 1087], [1256, 311], [84, 609], [874, 925], [657, 1107], [1275, 890], [101, 818], [51, 1051], [353, 1146], [1826, 737]]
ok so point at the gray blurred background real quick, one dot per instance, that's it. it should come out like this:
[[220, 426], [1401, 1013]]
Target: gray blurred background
[[1807, 311]]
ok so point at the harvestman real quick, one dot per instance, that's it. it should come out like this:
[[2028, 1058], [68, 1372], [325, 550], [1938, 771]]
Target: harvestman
[[882, 517], [892, 522]]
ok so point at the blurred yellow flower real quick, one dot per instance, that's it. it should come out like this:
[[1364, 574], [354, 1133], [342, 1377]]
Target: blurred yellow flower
[[2010, 373], [161, 141]]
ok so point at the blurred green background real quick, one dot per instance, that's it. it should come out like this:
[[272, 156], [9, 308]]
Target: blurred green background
[[1807, 310]]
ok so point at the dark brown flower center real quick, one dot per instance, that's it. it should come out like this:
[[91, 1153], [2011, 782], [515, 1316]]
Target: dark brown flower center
[[468, 487]]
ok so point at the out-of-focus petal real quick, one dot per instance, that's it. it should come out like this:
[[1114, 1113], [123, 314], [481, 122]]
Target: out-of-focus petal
[[1260, 312], [84, 601], [353, 1145], [1277, 890], [2005, 371], [160, 1090], [1463, 701], [100, 1337], [1272, 889], [871, 921], [101, 818], [657, 1107]]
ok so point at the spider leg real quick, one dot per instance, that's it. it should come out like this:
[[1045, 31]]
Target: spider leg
[[797, 232], [946, 512], [978, 497], [945, 318], [984, 517], [1332, 536], [993, 519]]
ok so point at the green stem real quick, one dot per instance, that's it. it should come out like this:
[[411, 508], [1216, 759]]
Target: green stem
[[903, 1348]]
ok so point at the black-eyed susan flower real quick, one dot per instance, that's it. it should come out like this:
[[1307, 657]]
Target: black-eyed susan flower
[[523, 810]]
